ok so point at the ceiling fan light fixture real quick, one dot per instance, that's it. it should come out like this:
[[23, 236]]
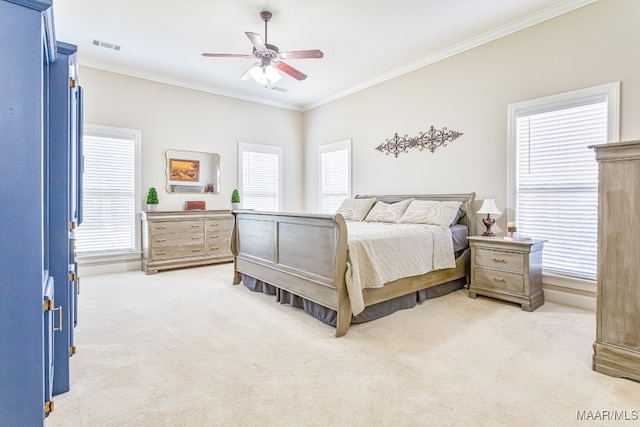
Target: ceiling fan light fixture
[[265, 74]]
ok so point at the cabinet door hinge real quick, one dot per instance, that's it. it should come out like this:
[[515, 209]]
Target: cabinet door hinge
[[72, 350], [72, 83], [72, 225], [72, 277], [48, 305], [48, 406]]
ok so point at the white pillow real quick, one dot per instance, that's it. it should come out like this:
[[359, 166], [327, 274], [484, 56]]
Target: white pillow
[[355, 209], [431, 212], [388, 212]]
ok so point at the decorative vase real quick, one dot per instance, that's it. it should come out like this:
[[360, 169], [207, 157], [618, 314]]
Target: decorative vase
[[236, 206], [152, 208]]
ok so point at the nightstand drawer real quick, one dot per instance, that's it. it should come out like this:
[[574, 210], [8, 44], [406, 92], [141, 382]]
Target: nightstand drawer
[[499, 259], [496, 279]]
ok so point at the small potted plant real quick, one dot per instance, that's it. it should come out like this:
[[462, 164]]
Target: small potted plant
[[152, 199], [235, 199]]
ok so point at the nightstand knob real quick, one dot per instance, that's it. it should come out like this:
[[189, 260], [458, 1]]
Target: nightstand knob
[[498, 279], [496, 259]]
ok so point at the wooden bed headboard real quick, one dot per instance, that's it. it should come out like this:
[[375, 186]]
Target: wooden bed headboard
[[467, 201]]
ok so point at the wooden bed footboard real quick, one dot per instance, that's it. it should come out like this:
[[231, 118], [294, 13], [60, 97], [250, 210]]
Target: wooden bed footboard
[[306, 254]]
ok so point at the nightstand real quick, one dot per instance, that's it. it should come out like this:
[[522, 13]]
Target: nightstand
[[507, 269]]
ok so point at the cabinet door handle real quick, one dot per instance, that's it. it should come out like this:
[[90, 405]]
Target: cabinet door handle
[[195, 237], [161, 252], [195, 250], [497, 259], [59, 310], [215, 224], [214, 248], [214, 236], [195, 225], [161, 227], [161, 240], [498, 279]]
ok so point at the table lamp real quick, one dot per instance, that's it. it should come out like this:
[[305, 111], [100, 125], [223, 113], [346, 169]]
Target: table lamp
[[489, 207]]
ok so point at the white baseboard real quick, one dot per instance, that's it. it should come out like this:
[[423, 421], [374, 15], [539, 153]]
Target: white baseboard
[[570, 299], [94, 269]]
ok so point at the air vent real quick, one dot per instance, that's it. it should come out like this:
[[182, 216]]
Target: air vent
[[106, 45], [279, 89]]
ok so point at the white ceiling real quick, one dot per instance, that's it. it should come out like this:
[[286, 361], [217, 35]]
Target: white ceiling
[[364, 42]]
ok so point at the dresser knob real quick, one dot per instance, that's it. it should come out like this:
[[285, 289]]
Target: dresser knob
[[498, 279], [496, 259]]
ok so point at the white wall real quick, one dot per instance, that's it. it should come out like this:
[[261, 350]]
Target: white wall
[[171, 117], [469, 93]]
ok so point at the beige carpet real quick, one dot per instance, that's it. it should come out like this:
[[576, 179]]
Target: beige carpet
[[186, 348]]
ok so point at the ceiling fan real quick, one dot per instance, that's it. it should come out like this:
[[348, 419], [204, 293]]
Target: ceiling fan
[[270, 58]]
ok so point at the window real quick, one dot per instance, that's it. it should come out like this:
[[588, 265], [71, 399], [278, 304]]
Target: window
[[553, 174], [111, 192], [260, 176], [335, 175]]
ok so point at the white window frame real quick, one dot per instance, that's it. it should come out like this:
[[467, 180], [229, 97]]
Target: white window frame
[[260, 148], [328, 148], [136, 136], [609, 92]]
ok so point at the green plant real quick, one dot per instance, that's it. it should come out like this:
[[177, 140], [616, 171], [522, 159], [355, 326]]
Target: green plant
[[235, 197], [152, 196]]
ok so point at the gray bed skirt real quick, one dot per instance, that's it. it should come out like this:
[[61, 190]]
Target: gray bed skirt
[[372, 312]]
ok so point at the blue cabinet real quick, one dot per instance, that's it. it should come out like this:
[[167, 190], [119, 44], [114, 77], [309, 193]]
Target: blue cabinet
[[39, 118]]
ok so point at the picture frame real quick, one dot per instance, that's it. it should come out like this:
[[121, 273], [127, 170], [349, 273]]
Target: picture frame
[[184, 170]]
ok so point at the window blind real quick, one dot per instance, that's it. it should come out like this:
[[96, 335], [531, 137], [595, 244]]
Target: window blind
[[260, 177], [557, 183], [335, 175], [109, 196]]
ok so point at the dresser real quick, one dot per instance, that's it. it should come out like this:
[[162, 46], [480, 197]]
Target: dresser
[[507, 269], [175, 239], [616, 350]]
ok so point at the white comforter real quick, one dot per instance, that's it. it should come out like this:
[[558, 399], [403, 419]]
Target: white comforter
[[381, 252]]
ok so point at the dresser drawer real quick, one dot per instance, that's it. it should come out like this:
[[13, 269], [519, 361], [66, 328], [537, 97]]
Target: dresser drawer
[[167, 239], [509, 261], [171, 252], [162, 227], [218, 250], [497, 279], [218, 225]]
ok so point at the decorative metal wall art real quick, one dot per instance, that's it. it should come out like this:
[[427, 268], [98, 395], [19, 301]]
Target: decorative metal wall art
[[430, 140]]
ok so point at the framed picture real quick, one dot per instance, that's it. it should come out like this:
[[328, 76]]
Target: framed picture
[[184, 170]]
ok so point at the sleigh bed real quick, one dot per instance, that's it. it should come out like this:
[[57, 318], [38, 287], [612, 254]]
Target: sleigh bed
[[304, 260]]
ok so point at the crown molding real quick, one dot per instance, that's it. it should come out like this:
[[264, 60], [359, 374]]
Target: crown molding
[[133, 72]]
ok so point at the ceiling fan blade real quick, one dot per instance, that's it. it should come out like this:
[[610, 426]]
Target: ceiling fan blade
[[227, 55], [302, 54], [290, 70], [256, 40]]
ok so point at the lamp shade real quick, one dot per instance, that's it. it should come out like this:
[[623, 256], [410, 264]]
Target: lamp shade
[[489, 207]]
